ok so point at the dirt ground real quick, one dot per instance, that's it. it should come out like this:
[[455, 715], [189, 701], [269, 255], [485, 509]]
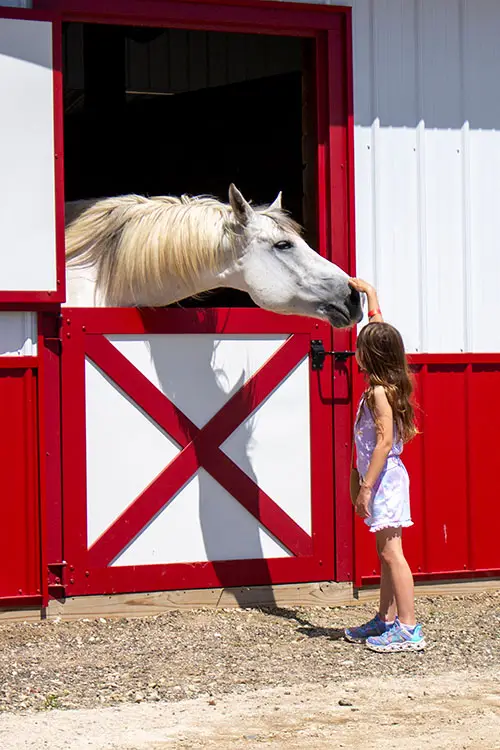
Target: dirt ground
[[246, 678]]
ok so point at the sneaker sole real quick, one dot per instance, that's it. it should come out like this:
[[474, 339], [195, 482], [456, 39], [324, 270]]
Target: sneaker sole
[[397, 647]]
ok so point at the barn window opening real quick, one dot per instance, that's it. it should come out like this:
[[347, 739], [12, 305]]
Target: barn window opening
[[173, 111]]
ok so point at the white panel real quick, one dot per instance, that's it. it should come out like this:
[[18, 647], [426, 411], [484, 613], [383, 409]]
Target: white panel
[[202, 522], [125, 451], [482, 77], [27, 211], [198, 373], [18, 334], [441, 180], [394, 152], [273, 446], [426, 75]]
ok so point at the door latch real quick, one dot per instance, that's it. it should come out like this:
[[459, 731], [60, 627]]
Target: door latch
[[318, 355]]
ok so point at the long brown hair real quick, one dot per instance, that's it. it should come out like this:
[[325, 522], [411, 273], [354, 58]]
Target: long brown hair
[[382, 355]]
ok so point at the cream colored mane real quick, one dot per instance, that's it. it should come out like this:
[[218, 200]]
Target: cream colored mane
[[136, 242]]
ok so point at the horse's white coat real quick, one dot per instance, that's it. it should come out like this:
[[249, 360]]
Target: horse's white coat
[[262, 255]]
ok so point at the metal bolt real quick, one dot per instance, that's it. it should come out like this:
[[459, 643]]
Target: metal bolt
[[20, 591], [84, 328], [71, 580], [68, 321], [68, 335], [72, 567], [87, 573]]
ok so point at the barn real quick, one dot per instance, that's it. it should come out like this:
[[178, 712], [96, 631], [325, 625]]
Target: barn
[[206, 446]]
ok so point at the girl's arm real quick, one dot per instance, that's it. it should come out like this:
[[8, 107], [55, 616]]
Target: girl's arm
[[385, 435], [371, 294]]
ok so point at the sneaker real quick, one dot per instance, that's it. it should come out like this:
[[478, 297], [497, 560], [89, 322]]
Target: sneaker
[[397, 638], [359, 635]]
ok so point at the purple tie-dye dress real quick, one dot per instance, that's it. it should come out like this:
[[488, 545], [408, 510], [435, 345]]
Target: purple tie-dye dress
[[390, 503]]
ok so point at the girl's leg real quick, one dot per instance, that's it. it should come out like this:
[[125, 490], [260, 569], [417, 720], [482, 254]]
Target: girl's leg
[[390, 548], [387, 606]]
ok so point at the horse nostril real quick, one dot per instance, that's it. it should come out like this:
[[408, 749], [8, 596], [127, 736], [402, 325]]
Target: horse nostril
[[355, 298]]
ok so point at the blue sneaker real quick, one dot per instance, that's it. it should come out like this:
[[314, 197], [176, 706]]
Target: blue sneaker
[[397, 638], [359, 635]]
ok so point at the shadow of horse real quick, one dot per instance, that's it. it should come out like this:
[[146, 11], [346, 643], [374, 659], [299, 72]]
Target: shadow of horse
[[195, 381]]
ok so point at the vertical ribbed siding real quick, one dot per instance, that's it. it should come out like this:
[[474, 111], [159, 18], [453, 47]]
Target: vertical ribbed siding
[[427, 116]]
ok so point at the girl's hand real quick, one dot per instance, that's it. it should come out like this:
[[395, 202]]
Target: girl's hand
[[363, 502], [360, 285]]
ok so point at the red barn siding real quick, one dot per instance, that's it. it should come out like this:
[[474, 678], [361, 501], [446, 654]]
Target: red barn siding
[[19, 528], [451, 465]]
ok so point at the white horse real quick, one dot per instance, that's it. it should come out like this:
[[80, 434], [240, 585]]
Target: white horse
[[150, 252]]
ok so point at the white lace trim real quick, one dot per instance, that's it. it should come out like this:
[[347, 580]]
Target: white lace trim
[[382, 526]]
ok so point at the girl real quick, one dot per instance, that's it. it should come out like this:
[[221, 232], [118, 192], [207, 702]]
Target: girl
[[384, 422]]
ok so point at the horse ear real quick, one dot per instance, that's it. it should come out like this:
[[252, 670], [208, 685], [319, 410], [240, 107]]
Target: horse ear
[[276, 204], [241, 209]]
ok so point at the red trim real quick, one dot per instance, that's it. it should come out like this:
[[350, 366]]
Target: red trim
[[226, 573], [446, 575], [60, 295], [50, 450], [462, 358], [238, 16], [18, 363], [17, 602], [340, 209], [222, 320], [322, 198]]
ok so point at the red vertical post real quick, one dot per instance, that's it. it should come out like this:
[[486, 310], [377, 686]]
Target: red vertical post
[[342, 252]]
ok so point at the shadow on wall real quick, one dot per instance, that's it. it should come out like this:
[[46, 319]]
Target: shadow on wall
[[229, 534]]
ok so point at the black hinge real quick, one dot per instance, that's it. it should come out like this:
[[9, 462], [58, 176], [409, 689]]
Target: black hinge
[[318, 355]]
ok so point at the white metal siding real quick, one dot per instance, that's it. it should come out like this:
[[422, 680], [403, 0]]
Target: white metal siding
[[27, 193], [427, 114], [18, 334], [427, 150]]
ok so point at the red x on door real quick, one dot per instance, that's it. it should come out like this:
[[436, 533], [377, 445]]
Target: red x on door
[[90, 569]]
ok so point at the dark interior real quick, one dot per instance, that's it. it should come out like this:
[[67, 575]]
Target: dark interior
[[169, 111]]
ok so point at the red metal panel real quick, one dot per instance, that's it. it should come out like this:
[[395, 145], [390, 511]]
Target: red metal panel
[[483, 453], [445, 460], [19, 530], [89, 571], [450, 468]]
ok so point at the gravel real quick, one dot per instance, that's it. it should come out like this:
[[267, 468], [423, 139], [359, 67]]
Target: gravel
[[209, 653]]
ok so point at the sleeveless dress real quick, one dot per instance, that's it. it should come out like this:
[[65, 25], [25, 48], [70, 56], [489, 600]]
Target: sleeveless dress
[[390, 503]]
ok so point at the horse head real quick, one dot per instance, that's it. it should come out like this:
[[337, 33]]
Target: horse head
[[279, 270]]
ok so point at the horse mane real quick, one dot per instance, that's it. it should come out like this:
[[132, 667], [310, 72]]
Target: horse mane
[[136, 242]]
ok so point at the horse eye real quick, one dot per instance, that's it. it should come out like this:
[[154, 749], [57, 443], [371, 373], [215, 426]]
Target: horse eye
[[283, 245]]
